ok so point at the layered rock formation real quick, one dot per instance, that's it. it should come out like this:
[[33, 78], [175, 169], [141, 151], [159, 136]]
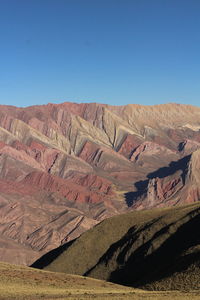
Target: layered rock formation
[[65, 167]]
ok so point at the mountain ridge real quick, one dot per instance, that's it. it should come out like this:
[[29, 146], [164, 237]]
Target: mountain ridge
[[88, 162]]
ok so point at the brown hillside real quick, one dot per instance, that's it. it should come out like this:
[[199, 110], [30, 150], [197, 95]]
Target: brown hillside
[[24, 283]]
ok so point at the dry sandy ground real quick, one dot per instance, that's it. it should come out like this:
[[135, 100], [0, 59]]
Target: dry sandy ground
[[17, 282]]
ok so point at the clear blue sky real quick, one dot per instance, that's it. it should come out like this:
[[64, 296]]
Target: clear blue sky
[[109, 51]]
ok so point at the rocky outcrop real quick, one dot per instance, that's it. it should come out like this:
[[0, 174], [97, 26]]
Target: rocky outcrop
[[177, 184]]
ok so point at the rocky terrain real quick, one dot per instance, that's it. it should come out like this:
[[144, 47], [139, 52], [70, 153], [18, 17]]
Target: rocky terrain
[[157, 249], [66, 167]]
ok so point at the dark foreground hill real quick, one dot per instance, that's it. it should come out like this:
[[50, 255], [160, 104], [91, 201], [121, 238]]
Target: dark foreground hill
[[156, 250]]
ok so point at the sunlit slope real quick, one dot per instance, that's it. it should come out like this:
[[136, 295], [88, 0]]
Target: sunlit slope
[[24, 283], [19, 282]]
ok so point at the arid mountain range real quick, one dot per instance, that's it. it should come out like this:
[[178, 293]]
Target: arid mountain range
[[66, 167]]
